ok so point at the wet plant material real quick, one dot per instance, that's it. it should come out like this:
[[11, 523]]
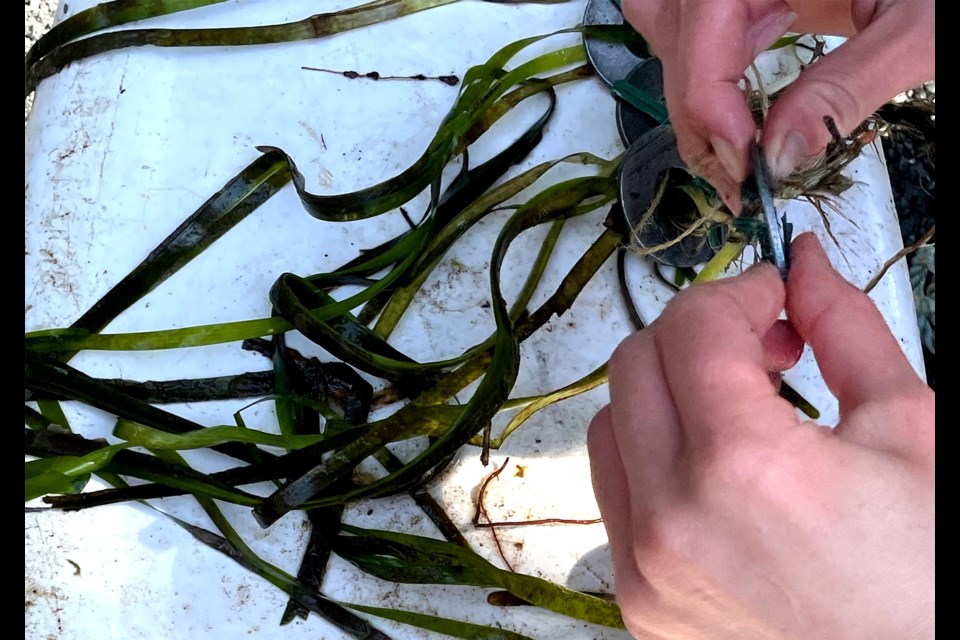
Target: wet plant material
[[450, 80], [687, 206], [77, 38], [482, 520], [685, 222], [322, 409]]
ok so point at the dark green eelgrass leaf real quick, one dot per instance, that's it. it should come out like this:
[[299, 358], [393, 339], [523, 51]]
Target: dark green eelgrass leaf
[[324, 523], [625, 294], [253, 186], [400, 557], [555, 203], [103, 16], [290, 415], [295, 299], [231, 545], [316, 26], [64, 381], [483, 86], [34, 419], [254, 384], [640, 99], [310, 598], [792, 396], [452, 628], [467, 188]]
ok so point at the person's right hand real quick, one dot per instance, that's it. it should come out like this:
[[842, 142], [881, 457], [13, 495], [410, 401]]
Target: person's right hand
[[706, 45], [730, 518]]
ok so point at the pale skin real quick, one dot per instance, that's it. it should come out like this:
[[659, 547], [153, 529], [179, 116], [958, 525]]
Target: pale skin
[[729, 516], [706, 45]]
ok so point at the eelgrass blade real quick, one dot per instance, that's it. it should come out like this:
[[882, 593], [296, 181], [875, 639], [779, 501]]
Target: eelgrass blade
[[446, 626], [143, 436], [44, 444], [484, 85], [315, 26], [64, 474], [465, 190], [311, 599], [239, 197], [400, 557], [558, 202], [233, 547], [590, 381], [104, 16], [64, 381], [53, 412], [254, 384], [324, 523]]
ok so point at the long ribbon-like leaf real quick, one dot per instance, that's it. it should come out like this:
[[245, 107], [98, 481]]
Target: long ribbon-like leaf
[[401, 557], [104, 16], [239, 197]]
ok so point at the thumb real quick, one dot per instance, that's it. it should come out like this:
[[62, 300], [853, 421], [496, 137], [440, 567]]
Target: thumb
[[893, 53], [860, 359]]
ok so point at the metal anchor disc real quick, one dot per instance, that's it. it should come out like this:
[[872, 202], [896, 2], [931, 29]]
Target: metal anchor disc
[[612, 60], [649, 162]]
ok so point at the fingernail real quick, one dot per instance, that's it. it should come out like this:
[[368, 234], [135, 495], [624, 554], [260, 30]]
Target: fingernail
[[728, 157], [783, 158]]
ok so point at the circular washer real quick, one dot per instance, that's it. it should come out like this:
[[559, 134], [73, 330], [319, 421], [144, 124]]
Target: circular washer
[[613, 61], [632, 122], [646, 164]]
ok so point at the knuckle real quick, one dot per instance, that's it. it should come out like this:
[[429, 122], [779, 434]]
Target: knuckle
[[661, 538], [626, 354], [694, 305], [595, 430], [839, 101], [742, 468]]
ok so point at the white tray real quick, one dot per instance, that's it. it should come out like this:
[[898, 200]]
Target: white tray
[[120, 148]]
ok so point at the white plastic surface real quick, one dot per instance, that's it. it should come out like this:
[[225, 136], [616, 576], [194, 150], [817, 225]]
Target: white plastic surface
[[120, 148]]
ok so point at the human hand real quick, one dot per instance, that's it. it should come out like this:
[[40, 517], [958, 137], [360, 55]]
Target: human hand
[[728, 516], [706, 45]]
